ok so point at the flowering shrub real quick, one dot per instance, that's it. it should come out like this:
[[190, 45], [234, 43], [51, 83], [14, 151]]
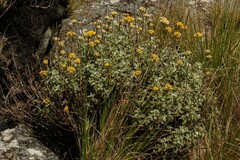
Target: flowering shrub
[[124, 60]]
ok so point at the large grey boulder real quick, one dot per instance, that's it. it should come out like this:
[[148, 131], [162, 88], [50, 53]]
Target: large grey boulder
[[16, 144]]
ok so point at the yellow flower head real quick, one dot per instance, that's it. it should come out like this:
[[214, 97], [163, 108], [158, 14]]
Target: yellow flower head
[[151, 32], [61, 43], [91, 43], [138, 72], [142, 9], [66, 108], [177, 34], [139, 51], [164, 20], [45, 61], [146, 15], [128, 19], [107, 17], [90, 34], [97, 41], [77, 61], [114, 13], [104, 31], [43, 72], [198, 35], [97, 54], [107, 64], [168, 29], [179, 62], [62, 52], [72, 55], [181, 25], [71, 69], [168, 86], [70, 33], [155, 57], [99, 21], [46, 101], [155, 88]]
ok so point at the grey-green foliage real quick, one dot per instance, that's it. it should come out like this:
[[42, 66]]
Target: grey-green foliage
[[174, 115]]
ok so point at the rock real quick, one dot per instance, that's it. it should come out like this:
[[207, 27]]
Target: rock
[[16, 144], [26, 27]]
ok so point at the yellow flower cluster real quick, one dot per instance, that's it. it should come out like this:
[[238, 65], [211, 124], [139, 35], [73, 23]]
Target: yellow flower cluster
[[168, 86], [181, 25], [142, 9], [198, 35], [107, 17], [139, 51], [138, 72], [164, 20], [179, 62], [72, 55], [151, 32], [62, 52], [147, 15], [45, 61], [66, 108], [97, 41], [114, 13], [168, 29], [155, 88], [70, 33], [61, 43], [71, 69], [128, 19], [97, 54], [91, 43], [90, 34], [177, 34], [43, 72], [77, 61], [155, 57], [104, 31], [107, 64]]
